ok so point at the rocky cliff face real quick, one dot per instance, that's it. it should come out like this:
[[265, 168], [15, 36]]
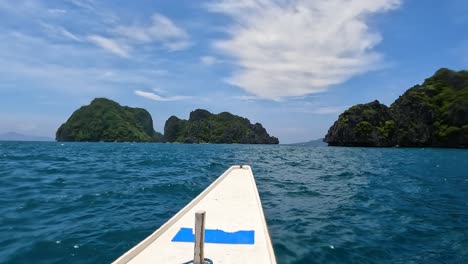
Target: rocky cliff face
[[363, 125], [106, 120], [205, 127], [432, 114]]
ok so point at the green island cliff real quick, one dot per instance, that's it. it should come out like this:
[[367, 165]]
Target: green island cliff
[[108, 121], [433, 114], [205, 127]]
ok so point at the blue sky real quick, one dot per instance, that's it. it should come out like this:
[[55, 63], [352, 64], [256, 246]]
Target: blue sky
[[293, 66]]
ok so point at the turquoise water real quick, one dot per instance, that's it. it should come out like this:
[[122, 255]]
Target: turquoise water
[[91, 202]]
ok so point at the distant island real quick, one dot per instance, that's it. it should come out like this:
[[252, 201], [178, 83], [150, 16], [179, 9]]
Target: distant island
[[108, 121], [313, 143], [14, 136], [205, 127], [434, 114]]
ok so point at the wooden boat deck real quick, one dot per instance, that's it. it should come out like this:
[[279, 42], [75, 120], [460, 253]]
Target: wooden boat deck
[[236, 231]]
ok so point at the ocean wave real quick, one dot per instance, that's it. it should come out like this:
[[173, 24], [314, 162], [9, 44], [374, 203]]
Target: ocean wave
[[91, 202]]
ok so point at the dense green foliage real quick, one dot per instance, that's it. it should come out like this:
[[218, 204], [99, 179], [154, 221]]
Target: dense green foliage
[[205, 127], [106, 120], [363, 125], [432, 114]]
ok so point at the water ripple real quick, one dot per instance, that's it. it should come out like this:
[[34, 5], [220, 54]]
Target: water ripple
[[91, 202]]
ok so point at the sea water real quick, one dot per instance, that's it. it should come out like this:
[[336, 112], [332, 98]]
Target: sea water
[[91, 202]]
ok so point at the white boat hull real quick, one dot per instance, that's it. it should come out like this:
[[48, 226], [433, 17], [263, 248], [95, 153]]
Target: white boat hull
[[236, 230]]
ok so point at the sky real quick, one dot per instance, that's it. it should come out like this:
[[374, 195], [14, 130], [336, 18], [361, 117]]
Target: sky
[[292, 65]]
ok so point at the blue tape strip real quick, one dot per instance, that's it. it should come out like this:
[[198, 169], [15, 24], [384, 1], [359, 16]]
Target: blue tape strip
[[215, 236]]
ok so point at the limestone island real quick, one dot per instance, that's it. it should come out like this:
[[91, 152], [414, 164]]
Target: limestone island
[[434, 114], [205, 127], [108, 121]]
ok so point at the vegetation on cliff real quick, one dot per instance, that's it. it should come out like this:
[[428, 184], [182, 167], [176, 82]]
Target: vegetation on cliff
[[205, 127], [432, 114], [106, 120], [363, 125]]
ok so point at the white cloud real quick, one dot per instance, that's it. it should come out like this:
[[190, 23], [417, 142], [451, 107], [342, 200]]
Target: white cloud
[[159, 90], [161, 30], [60, 31], [292, 48], [320, 110], [57, 11], [208, 60], [156, 97], [61, 68], [246, 98], [69, 35], [110, 45]]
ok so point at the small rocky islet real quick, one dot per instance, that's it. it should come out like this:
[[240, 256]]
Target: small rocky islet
[[433, 114], [107, 121], [205, 127]]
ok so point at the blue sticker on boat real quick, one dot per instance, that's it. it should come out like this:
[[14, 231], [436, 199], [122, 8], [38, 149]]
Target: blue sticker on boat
[[216, 236]]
